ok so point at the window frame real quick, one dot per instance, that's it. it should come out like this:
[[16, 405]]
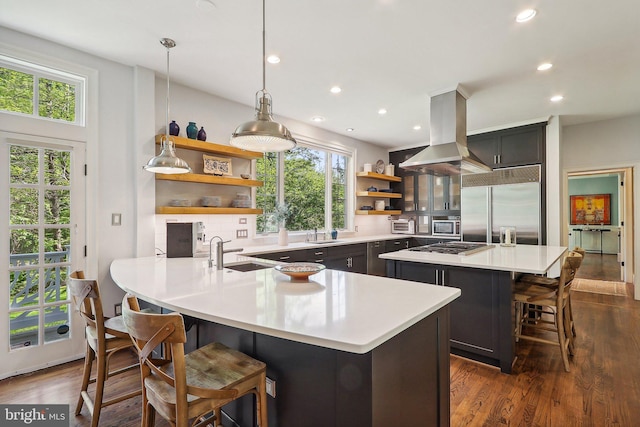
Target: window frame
[[330, 148], [39, 71]]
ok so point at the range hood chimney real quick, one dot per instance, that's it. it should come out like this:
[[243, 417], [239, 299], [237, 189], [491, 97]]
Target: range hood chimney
[[448, 153]]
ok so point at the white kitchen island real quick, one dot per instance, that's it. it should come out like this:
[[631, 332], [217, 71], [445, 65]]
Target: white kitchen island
[[482, 321], [344, 349]]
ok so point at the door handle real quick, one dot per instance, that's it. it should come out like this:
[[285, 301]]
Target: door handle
[[282, 258]]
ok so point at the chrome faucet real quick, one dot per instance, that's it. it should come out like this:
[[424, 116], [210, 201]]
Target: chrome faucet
[[315, 235], [219, 252]]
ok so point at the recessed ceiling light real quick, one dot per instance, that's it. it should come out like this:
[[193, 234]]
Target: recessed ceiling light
[[526, 15], [382, 111], [336, 89], [350, 129], [417, 127], [557, 98], [317, 119], [273, 59], [544, 67]]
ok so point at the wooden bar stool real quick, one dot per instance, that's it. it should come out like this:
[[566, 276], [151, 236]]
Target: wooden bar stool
[[183, 387], [552, 283], [105, 337], [544, 302]]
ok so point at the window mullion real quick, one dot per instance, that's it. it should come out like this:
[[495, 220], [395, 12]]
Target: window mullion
[[328, 189]]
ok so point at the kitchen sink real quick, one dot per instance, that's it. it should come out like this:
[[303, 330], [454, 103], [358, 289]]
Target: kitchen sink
[[323, 242], [248, 266]]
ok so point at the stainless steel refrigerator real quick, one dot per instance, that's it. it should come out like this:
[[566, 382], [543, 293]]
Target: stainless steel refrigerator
[[505, 197]]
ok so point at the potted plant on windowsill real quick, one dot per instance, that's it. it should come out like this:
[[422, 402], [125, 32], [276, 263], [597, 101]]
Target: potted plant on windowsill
[[281, 214]]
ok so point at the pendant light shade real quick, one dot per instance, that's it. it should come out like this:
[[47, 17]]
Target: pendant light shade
[[167, 162], [263, 134]]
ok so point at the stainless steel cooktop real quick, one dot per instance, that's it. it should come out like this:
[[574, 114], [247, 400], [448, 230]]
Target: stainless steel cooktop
[[455, 248]]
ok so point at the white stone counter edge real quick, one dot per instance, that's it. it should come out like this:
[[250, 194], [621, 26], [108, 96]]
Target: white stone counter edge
[[520, 258], [345, 339]]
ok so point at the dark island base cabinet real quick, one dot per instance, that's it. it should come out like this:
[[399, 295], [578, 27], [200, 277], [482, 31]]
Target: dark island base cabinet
[[403, 382], [352, 258], [481, 318]]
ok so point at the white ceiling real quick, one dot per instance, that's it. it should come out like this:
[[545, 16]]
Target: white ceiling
[[383, 53]]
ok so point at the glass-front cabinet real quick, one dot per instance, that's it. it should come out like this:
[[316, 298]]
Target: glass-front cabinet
[[446, 195], [408, 187], [427, 194]]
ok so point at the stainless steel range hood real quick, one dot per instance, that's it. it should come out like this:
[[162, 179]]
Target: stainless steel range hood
[[448, 153]]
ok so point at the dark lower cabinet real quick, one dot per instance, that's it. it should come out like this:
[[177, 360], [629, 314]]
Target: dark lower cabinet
[[352, 258], [403, 380], [481, 318]]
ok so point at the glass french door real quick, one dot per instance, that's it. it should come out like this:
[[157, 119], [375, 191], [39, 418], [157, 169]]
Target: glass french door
[[42, 224]]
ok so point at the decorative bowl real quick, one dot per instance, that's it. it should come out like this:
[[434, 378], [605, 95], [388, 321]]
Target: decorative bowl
[[245, 176], [300, 270]]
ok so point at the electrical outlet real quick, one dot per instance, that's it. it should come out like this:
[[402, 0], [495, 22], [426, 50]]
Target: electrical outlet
[[117, 309], [242, 234], [271, 387], [243, 221]]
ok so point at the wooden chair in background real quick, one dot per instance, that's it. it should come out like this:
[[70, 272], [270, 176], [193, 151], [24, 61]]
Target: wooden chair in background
[[535, 303], [105, 337], [184, 387]]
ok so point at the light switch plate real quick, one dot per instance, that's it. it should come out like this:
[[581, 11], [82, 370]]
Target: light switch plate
[[242, 234], [116, 219]]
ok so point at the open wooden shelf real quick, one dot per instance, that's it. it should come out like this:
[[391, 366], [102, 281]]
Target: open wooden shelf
[[383, 177], [211, 147], [174, 210], [209, 179], [374, 212], [378, 194]]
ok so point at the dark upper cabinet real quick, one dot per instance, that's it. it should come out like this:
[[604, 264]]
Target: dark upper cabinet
[[397, 157], [519, 146]]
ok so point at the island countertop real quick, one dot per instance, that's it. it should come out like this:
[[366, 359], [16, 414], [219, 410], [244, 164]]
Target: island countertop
[[520, 258], [334, 309]]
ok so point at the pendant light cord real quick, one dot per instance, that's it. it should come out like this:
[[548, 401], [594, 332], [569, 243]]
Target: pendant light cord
[[264, 49], [167, 132]]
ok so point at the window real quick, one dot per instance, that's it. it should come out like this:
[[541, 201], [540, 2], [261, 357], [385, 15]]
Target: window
[[37, 91], [311, 180]]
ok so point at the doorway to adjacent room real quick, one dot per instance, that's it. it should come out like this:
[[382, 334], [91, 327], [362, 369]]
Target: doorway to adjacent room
[[610, 254]]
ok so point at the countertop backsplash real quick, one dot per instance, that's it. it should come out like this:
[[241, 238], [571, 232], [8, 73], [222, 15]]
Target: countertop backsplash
[[229, 226]]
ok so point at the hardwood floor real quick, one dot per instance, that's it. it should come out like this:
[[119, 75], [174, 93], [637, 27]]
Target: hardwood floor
[[600, 267], [602, 389]]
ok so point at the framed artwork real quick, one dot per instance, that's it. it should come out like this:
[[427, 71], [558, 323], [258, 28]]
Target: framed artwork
[[591, 209], [216, 165]]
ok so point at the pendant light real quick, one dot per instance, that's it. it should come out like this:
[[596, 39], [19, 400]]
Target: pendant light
[[263, 134], [167, 162]]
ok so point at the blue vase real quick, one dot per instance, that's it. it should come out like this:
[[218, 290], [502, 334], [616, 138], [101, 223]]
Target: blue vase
[[174, 129], [334, 234], [202, 135], [192, 130]]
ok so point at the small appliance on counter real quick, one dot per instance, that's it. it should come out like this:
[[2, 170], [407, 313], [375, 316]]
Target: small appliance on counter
[[403, 226], [445, 227], [184, 239]]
